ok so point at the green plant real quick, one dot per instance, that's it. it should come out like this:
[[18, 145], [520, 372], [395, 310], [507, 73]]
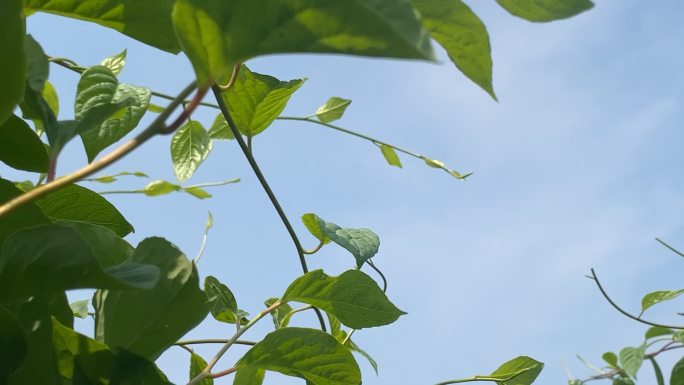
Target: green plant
[[58, 236], [622, 368]]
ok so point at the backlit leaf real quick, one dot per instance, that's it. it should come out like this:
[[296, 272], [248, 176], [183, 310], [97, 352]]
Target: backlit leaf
[[80, 308], [20, 147], [190, 146], [332, 110], [256, 100], [311, 222], [148, 21], [197, 365], [78, 204], [390, 155], [220, 130], [611, 359], [657, 297], [67, 345], [518, 371], [37, 65], [115, 63], [224, 306], [305, 353], [545, 10], [217, 34], [160, 187], [281, 315], [463, 35], [353, 298]]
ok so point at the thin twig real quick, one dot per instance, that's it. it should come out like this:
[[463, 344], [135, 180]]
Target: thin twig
[[267, 189], [214, 341], [153, 129], [384, 280], [670, 247], [624, 312]]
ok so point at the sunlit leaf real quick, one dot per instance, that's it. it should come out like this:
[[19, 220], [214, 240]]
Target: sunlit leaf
[[224, 306], [353, 298], [256, 100], [657, 297], [518, 371], [305, 353], [463, 35], [611, 359], [220, 129], [160, 187], [310, 221], [545, 10], [217, 34], [13, 67], [80, 308], [281, 315], [106, 110], [115, 63], [657, 331], [67, 345], [390, 155], [148, 21], [332, 110], [190, 146]]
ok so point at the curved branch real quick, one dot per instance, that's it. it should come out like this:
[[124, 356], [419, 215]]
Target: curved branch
[[384, 280], [264, 184], [156, 127], [624, 312]]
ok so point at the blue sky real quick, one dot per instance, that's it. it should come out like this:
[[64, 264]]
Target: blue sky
[[577, 166]]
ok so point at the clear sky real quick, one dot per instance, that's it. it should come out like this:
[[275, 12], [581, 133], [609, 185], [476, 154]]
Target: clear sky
[[577, 166]]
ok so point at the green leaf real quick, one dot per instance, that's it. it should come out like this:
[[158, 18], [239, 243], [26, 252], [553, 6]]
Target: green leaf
[[35, 316], [463, 35], [353, 297], [217, 34], [631, 360], [611, 359], [305, 353], [657, 297], [362, 243], [140, 321], [332, 110], [545, 10], [355, 348], [107, 110], [42, 108], [26, 215], [12, 71], [677, 376], [116, 367], [20, 147], [249, 377], [78, 204], [115, 63], [37, 65], [67, 345], [64, 256], [224, 306], [439, 164], [220, 129], [256, 100], [114, 178], [281, 315], [521, 370], [160, 187], [623, 380], [657, 331], [311, 222], [80, 308], [51, 99], [658, 372], [197, 365], [390, 155], [148, 21], [12, 344], [155, 108], [190, 146], [197, 192]]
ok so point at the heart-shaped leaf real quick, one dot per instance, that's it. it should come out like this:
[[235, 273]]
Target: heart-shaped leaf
[[190, 147]]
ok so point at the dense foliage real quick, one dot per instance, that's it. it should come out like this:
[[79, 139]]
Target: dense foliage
[[57, 236]]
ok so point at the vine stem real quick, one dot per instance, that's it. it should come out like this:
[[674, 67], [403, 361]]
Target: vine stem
[[206, 373], [155, 128], [624, 312], [649, 356], [214, 341], [264, 184]]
